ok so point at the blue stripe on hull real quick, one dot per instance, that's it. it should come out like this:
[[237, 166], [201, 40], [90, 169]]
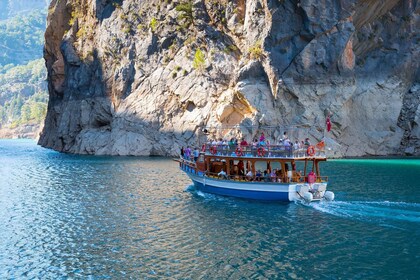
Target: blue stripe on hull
[[249, 194]]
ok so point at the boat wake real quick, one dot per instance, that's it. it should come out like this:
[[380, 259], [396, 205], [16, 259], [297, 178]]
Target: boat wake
[[372, 210]]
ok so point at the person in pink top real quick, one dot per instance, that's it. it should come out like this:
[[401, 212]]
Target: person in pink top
[[262, 137]]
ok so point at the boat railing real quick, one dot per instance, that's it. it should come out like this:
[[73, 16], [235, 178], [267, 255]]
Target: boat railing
[[268, 179], [280, 151]]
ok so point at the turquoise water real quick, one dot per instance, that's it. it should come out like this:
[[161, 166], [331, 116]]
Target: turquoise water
[[66, 216]]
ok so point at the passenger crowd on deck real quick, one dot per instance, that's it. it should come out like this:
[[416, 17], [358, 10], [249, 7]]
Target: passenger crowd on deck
[[258, 147]]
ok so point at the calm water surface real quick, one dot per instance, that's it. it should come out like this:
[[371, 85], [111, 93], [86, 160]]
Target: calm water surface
[[66, 216]]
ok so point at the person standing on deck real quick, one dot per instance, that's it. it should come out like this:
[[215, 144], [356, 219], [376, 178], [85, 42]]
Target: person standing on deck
[[196, 153], [187, 153]]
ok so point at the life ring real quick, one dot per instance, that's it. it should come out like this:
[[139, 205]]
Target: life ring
[[203, 148], [238, 152], [310, 151], [261, 151], [213, 150]]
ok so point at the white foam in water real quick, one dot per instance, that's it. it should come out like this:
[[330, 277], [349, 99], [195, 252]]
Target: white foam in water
[[200, 193], [382, 210]]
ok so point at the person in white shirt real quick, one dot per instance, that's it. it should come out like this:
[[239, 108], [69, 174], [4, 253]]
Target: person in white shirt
[[249, 175], [222, 174]]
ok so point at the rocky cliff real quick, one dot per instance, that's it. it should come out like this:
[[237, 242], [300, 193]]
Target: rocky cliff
[[139, 77]]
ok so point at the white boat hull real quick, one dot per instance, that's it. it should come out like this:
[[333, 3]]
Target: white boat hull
[[256, 190]]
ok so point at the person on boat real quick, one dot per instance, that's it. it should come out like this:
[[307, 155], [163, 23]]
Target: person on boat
[[254, 147], [241, 168], [285, 136], [234, 172], [187, 153], [311, 178], [250, 175], [231, 144], [220, 143], [298, 176], [225, 143], [286, 170], [273, 175], [266, 176], [196, 153], [222, 174], [262, 137], [279, 175], [258, 175], [280, 145], [307, 142], [243, 142], [182, 152], [288, 147]]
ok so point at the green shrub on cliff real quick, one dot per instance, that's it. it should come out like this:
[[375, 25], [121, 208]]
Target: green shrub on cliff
[[256, 51], [186, 10], [199, 60], [153, 24]]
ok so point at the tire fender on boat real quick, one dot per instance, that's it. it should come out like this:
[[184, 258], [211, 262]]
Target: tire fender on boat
[[329, 196], [308, 197]]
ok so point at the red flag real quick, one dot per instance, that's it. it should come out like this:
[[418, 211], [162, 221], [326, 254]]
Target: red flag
[[328, 123]]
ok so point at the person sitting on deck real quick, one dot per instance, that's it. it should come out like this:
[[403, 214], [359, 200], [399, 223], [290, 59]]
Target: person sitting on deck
[[298, 176], [241, 168], [250, 175], [279, 175], [266, 176], [222, 174], [273, 175], [258, 175]]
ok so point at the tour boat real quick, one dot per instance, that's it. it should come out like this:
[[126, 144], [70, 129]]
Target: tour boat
[[291, 173]]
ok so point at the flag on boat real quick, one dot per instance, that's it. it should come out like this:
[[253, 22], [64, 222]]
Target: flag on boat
[[328, 122]]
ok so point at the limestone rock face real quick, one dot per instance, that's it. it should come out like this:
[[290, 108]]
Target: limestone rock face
[[141, 77]]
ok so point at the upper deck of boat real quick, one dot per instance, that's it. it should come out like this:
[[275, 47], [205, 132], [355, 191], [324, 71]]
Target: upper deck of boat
[[274, 152]]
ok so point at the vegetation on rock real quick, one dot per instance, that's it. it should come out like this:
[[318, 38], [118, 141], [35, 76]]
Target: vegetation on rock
[[23, 87], [23, 95], [21, 39]]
